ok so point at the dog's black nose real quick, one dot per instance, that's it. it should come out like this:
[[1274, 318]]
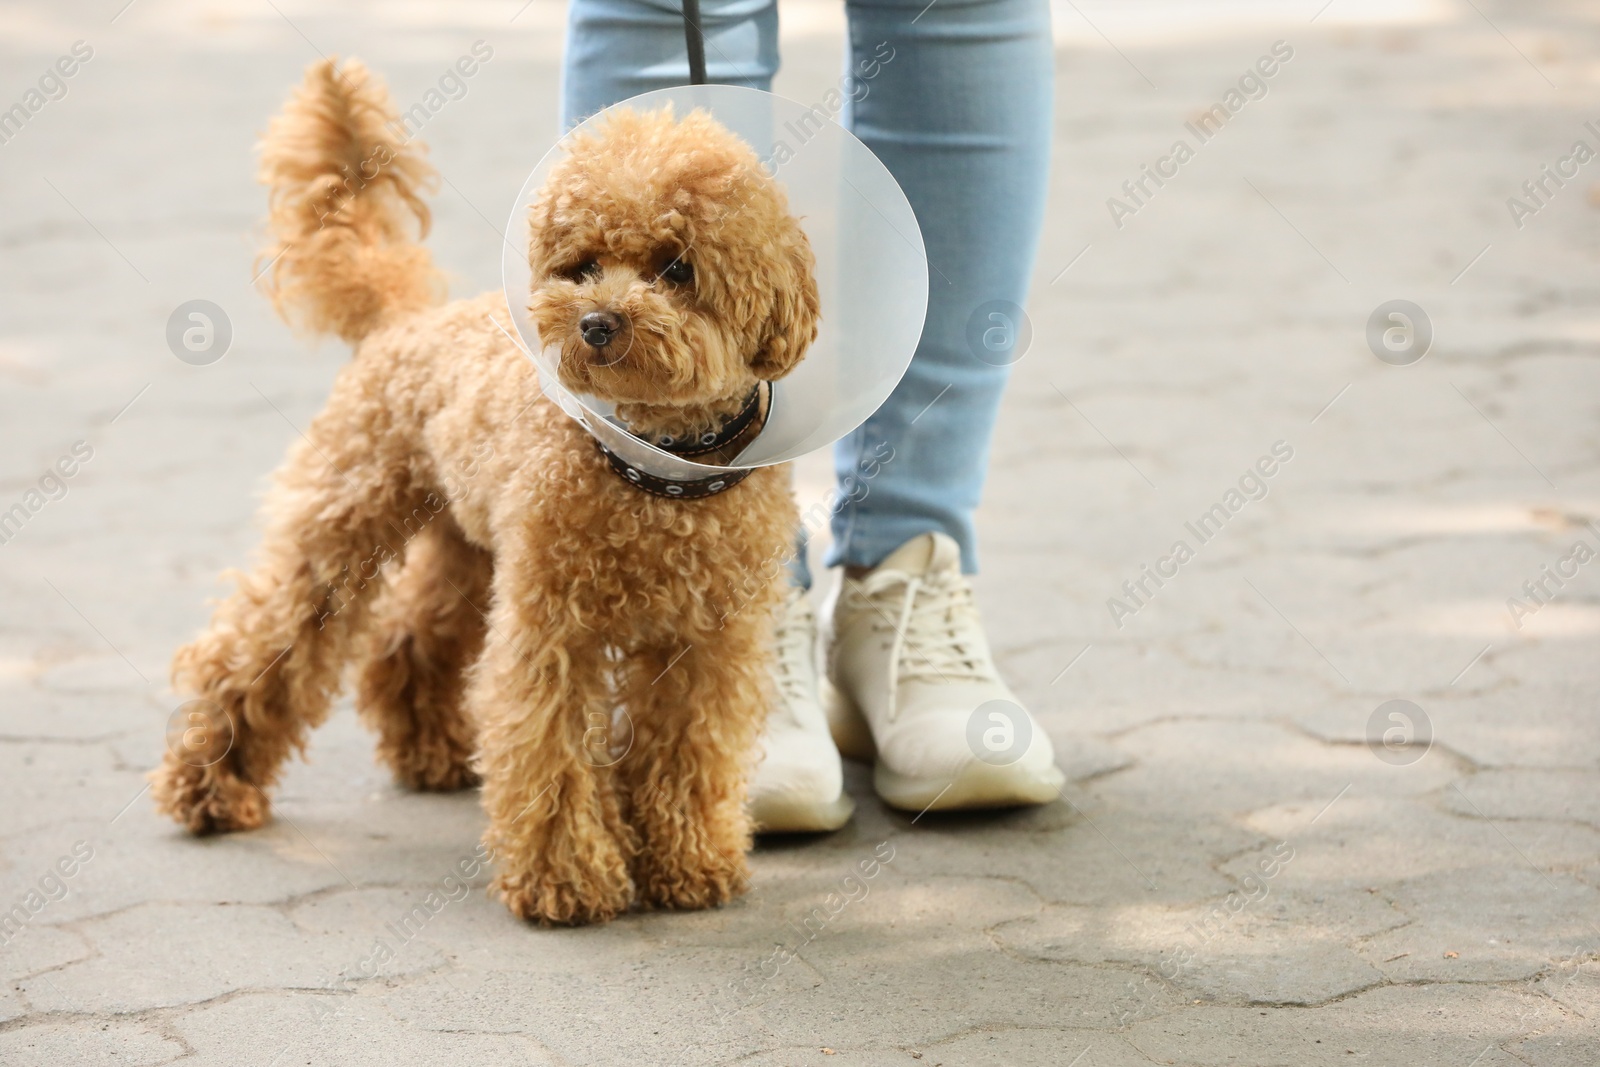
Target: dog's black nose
[[599, 327]]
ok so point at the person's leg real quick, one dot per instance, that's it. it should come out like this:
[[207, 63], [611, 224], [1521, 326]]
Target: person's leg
[[955, 97], [799, 569], [621, 48], [961, 116]]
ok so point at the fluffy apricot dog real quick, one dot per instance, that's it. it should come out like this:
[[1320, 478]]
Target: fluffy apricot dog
[[507, 596]]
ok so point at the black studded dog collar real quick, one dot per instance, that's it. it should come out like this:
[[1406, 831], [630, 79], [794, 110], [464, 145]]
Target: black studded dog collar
[[722, 444]]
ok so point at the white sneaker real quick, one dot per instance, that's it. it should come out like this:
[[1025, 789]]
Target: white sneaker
[[914, 685], [799, 785]]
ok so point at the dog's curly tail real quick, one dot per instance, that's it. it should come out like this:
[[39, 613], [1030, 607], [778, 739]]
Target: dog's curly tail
[[344, 206]]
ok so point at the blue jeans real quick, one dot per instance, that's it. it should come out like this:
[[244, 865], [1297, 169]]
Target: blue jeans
[[961, 116]]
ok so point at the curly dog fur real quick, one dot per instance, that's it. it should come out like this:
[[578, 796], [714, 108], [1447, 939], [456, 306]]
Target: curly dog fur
[[454, 536]]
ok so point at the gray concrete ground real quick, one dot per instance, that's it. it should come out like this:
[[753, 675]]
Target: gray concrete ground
[[1242, 872]]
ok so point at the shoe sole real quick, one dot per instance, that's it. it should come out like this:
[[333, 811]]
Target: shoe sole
[[788, 816], [978, 786]]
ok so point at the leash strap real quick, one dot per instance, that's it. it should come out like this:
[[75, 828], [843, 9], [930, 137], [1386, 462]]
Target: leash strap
[[694, 37]]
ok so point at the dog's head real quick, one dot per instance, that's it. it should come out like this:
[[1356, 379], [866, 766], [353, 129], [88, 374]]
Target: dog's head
[[666, 265]]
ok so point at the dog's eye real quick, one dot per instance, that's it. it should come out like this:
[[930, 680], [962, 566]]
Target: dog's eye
[[589, 268], [678, 272]]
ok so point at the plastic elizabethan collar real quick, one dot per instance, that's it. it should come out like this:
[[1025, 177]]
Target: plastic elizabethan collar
[[872, 279]]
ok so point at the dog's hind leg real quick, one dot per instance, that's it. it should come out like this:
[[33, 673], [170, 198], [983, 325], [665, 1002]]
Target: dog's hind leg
[[427, 628], [268, 665], [696, 713]]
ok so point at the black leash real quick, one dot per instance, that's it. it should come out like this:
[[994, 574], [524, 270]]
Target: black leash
[[694, 37]]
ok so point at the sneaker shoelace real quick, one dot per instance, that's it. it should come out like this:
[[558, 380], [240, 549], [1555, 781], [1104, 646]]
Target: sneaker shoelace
[[794, 669], [935, 628]]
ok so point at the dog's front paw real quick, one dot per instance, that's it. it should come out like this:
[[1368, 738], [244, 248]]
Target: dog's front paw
[[207, 800], [693, 882], [543, 899]]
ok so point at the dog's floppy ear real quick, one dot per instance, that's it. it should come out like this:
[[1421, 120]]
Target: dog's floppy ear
[[791, 325], [540, 234]]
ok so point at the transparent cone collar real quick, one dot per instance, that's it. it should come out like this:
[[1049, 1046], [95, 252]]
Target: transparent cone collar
[[872, 281]]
